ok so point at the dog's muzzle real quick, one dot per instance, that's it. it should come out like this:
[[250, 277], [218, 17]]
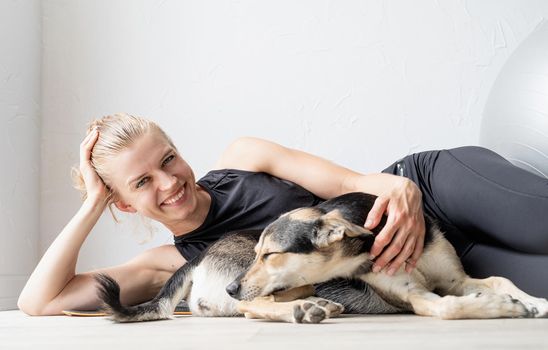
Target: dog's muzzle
[[233, 289]]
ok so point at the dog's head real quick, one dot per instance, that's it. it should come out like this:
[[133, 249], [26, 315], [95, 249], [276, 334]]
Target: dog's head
[[305, 246]]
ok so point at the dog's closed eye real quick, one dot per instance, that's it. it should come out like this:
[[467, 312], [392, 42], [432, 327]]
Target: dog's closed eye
[[266, 255]]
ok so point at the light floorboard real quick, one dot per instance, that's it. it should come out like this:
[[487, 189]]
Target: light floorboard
[[405, 332]]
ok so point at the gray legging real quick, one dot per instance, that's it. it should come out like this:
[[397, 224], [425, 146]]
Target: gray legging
[[494, 213]]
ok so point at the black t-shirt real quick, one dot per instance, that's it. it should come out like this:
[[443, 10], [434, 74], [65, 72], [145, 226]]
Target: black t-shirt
[[242, 200]]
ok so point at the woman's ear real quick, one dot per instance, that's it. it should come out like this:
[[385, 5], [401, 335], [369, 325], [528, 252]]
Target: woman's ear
[[122, 206]]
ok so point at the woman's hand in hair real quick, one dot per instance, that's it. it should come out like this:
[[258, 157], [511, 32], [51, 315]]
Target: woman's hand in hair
[[95, 187]]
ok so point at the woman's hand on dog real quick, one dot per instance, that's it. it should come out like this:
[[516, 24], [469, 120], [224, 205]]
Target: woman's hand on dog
[[402, 238]]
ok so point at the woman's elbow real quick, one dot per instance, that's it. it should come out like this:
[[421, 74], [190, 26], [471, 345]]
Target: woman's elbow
[[30, 308], [31, 311]]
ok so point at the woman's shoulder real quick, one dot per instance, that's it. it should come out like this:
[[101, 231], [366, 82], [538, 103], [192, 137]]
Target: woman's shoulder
[[247, 154]]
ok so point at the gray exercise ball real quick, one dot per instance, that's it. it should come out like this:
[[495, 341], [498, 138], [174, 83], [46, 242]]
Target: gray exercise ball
[[515, 119]]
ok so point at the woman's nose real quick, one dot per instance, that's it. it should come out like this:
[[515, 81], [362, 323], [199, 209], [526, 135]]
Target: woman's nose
[[167, 181]]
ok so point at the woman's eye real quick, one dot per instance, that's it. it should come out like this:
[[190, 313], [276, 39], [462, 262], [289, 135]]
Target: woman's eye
[[168, 159], [141, 182]]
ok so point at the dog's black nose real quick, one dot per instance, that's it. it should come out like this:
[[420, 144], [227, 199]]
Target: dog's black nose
[[233, 289]]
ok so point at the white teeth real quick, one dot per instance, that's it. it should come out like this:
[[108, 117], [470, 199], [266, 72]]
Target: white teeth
[[176, 197]]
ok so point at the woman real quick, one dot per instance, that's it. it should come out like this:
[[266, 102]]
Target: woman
[[131, 163]]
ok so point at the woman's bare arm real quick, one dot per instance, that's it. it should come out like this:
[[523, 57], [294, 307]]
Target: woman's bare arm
[[54, 286], [140, 279], [320, 176], [57, 266]]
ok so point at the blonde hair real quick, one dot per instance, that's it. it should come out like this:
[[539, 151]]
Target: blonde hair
[[117, 132]]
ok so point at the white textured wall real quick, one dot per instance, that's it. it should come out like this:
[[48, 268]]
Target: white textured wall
[[359, 82], [19, 145]]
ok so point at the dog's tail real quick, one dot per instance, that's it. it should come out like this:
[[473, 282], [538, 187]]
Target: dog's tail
[[159, 308]]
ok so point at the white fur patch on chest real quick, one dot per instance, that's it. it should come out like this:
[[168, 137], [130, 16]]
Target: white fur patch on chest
[[208, 296]]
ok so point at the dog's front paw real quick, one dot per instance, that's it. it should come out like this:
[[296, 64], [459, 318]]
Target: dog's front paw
[[333, 309], [308, 313], [315, 310]]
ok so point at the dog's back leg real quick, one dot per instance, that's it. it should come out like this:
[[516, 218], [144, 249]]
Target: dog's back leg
[[471, 306], [410, 292], [466, 297], [448, 278], [537, 307], [161, 307]]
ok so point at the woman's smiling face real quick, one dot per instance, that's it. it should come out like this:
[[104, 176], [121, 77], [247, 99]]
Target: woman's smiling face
[[151, 178]]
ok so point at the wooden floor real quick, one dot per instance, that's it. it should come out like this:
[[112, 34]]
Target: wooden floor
[[402, 332]]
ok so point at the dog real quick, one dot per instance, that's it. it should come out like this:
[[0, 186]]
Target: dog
[[312, 263]]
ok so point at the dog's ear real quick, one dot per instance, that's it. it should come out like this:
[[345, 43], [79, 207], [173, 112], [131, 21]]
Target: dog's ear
[[333, 228]]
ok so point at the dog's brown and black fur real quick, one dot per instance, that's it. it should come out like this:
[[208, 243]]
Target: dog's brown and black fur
[[325, 246]]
